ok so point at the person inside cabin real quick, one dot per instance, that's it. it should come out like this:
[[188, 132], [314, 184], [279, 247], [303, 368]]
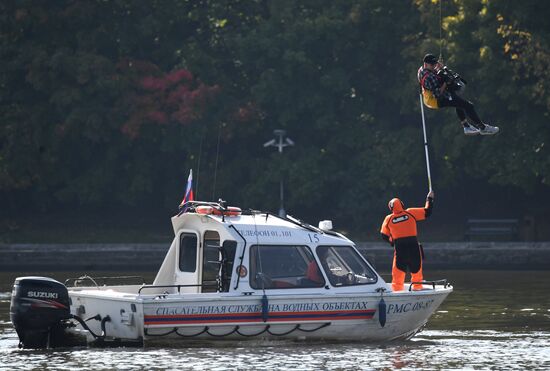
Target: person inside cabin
[[399, 229], [313, 273], [314, 277], [329, 262], [437, 94]]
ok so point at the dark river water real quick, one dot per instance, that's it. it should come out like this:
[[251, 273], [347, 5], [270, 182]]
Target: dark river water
[[493, 320]]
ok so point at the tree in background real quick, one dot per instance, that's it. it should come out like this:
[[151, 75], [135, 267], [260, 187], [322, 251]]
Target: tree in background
[[108, 104], [79, 85], [500, 48]]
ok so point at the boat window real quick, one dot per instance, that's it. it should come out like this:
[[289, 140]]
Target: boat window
[[188, 252], [280, 267], [228, 250], [344, 266], [210, 261]]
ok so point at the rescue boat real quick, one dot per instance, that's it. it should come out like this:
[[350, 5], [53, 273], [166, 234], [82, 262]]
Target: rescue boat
[[233, 275]]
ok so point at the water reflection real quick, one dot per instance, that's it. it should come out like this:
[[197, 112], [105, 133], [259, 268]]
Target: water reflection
[[493, 320], [431, 350]]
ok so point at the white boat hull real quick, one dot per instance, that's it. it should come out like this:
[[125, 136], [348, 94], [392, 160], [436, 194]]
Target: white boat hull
[[188, 318]]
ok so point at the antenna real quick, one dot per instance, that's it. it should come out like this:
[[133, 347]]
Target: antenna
[[216, 163]]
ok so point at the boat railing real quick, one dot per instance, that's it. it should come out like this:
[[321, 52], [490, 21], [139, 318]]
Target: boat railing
[[219, 204], [179, 287], [102, 281], [433, 283]]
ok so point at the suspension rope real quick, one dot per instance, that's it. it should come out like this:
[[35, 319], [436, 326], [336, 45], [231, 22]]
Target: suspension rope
[[440, 31]]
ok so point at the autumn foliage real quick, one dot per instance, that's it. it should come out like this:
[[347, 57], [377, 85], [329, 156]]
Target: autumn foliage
[[174, 98], [108, 104]]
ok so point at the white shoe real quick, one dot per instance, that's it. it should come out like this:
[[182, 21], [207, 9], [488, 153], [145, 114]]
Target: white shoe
[[470, 130], [489, 130]]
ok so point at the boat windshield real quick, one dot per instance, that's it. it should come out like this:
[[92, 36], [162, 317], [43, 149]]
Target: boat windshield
[[344, 266], [283, 266]]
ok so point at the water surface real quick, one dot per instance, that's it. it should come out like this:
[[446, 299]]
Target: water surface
[[493, 320]]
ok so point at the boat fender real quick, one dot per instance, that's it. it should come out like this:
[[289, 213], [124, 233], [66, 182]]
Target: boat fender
[[265, 308], [382, 312], [381, 307]]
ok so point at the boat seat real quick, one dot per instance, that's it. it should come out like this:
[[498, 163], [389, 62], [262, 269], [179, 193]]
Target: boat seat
[[313, 273], [282, 284], [263, 281]]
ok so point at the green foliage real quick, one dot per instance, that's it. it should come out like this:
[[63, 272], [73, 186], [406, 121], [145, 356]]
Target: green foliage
[[108, 104]]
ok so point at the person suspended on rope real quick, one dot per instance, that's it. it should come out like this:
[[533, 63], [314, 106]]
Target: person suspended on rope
[[440, 88], [399, 229]]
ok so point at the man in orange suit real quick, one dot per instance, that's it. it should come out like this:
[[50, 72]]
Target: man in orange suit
[[399, 229]]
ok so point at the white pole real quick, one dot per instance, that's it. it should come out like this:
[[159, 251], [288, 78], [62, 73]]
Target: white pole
[[426, 144]]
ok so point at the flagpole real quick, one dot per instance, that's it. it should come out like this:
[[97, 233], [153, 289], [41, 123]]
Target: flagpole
[[426, 144], [188, 196]]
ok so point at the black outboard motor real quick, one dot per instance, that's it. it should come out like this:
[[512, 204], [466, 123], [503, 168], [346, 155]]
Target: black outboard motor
[[39, 306]]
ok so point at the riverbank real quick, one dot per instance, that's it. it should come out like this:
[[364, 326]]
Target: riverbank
[[148, 257]]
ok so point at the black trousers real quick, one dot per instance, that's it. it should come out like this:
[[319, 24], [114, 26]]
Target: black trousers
[[407, 254], [463, 108]]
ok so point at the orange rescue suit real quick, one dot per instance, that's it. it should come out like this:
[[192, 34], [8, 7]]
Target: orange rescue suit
[[402, 223], [399, 229]]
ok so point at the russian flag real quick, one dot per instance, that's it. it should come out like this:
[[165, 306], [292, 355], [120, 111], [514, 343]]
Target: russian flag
[[188, 191]]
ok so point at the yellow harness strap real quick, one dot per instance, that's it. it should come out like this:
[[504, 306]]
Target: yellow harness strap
[[429, 98]]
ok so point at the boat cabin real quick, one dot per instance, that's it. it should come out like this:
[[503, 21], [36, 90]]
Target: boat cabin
[[257, 251]]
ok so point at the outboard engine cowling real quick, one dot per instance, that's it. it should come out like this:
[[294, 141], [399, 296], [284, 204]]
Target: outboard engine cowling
[[39, 305]]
